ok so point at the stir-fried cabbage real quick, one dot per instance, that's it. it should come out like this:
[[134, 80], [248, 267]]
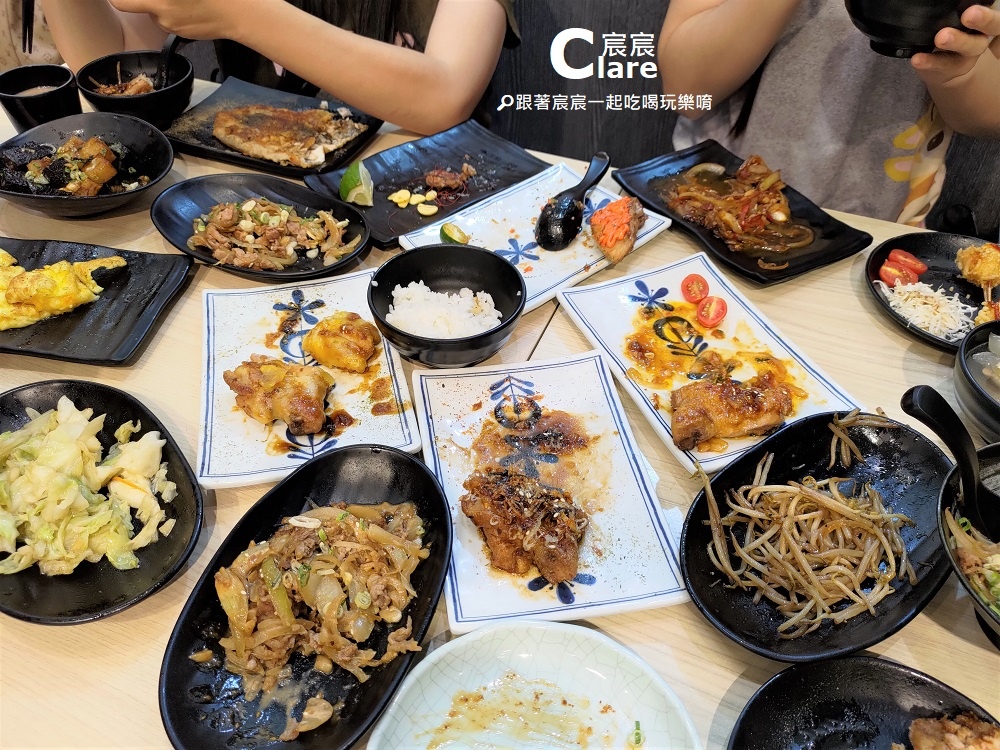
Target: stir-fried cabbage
[[51, 502]]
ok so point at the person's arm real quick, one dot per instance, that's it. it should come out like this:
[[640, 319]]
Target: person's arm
[[714, 46], [963, 74], [424, 92], [84, 30]]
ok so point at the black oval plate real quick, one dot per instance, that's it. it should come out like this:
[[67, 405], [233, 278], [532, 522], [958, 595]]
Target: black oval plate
[[199, 702], [498, 163], [856, 703], [96, 590], [834, 240], [176, 208], [191, 132], [937, 250], [110, 330], [144, 149], [904, 466]]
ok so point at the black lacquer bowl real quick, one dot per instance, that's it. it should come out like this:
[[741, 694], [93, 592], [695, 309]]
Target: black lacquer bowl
[[856, 703], [447, 269], [904, 466], [159, 107], [976, 397], [937, 250], [202, 705], [143, 151], [176, 208], [834, 240], [901, 28], [96, 590]]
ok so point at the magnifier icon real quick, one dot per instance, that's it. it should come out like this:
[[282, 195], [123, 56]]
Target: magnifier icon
[[506, 101]]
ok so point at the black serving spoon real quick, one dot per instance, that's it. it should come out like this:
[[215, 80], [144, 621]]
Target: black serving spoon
[[163, 68], [981, 505], [562, 217]]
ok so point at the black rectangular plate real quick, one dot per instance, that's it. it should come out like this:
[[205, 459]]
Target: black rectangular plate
[[110, 330], [834, 241], [191, 133], [498, 163]]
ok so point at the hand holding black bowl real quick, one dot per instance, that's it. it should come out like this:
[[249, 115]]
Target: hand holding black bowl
[[902, 28]]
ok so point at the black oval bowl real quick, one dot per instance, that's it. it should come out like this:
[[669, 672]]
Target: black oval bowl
[[176, 208], [145, 150], [159, 107], [979, 405], [449, 268], [198, 701], [856, 703], [937, 250], [904, 466], [96, 590], [901, 28], [989, 472]]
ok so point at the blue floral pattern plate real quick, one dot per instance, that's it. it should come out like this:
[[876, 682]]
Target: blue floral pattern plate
[[611, 481], [505, 224], [605, 313], [235, 450]]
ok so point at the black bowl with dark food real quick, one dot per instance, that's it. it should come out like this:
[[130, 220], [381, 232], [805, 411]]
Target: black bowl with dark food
[[902, 28], [128, 72], [96, 590], [448, 268], [985, 594], [979, 392], [32, 175], [907, 470], [202, 705]]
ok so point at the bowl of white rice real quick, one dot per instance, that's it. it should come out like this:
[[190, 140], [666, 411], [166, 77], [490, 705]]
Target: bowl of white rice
[[447, 305]]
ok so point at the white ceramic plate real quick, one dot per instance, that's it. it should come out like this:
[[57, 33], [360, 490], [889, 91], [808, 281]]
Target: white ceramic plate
[[593, 672], [505, 224], [235, 450], [604, 313], [628, 557]]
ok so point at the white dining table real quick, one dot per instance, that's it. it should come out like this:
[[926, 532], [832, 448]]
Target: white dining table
[[94, 685]]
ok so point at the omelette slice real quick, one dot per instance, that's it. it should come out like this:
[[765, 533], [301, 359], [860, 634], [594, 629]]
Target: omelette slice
[[27, 297]]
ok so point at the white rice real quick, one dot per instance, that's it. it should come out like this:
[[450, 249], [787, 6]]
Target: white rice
[[436, 315]]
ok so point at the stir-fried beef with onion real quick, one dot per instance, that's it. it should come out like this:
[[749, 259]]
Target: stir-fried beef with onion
[[318, 587], [262, 235], [746, 210]]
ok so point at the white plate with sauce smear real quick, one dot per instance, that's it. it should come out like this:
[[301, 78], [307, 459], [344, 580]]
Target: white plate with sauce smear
[[607, 315], [573, 687], [235, 450], [505, 224]]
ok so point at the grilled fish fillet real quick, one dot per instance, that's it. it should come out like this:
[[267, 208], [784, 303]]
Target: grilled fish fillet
[[301, 139]]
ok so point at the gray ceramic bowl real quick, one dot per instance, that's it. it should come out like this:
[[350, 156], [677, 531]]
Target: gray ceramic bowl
[[448, 268], [979, 403]]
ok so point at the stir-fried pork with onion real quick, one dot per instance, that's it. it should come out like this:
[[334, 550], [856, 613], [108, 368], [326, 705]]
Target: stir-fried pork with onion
[[318, 587], [746, 210], [262, 235]]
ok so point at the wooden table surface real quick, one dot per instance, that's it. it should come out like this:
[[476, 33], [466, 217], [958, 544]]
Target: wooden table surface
[[95, 685]]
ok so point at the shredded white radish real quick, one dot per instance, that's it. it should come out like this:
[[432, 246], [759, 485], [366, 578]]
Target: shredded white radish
[[930, 309]]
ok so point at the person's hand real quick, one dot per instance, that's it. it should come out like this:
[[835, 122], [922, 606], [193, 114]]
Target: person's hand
[[205, 19], [957, 51]]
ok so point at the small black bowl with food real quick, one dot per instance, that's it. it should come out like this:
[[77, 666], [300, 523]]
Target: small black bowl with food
[[124, 82], [977, 379], [84, 164], [445, 269], [902, 28]]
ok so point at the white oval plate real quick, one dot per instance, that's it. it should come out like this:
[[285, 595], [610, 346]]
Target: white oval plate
[[588, 666]]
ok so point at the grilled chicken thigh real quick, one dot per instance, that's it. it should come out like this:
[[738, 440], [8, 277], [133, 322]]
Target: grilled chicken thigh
[[268, 389]]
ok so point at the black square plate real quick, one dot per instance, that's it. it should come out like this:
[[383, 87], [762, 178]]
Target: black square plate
[[110, 330], [498, 163], [191, 133], [834, 240]]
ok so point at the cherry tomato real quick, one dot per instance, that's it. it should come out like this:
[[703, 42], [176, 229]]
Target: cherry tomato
[[891, 272], [694, 287], [903, 258], [711, 311]]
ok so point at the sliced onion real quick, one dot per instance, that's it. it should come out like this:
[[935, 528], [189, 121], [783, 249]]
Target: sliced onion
[[705, 166]]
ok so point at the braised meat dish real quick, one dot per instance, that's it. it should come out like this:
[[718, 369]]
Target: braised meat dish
[[445, 179], [526, 523], [268, 389], [77, 168]]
